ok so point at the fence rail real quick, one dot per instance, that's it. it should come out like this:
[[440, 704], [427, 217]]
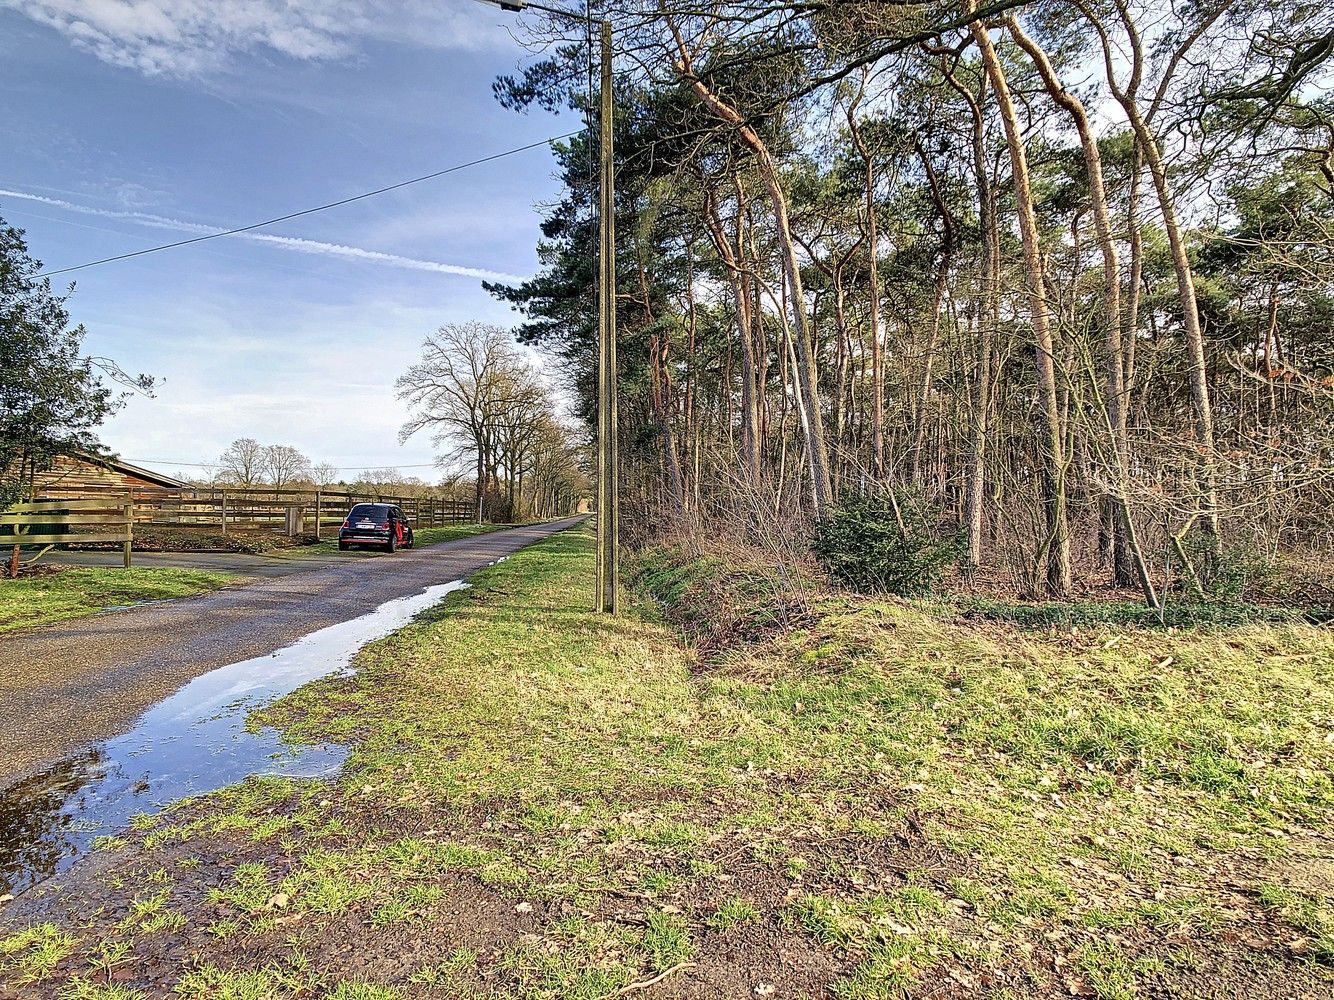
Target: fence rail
[[291, 511], [57, 522]]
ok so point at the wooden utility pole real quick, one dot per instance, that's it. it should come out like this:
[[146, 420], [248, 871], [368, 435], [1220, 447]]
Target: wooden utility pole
[[609, 527], [608, 499]]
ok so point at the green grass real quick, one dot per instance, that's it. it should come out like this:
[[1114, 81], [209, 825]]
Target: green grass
[[733, 912], [916, 793], [1308, 913], [31, 954], [1131, 614], [1062, 770], [73, 593], [84, 989]]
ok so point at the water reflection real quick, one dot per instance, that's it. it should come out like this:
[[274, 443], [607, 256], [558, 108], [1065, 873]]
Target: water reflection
[[192, 742]]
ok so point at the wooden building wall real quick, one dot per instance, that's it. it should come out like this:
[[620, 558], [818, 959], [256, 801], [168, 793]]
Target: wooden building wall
[[72, 477]]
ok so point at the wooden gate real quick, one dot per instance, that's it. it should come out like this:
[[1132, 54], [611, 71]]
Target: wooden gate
[[56, 522]]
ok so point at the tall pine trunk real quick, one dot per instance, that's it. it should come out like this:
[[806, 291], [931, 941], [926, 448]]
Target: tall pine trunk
[[1114, 360], [807, 373], [1051, 437]]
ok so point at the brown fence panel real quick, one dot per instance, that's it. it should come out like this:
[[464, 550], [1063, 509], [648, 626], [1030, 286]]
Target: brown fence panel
[[49, 522], [267, 509]]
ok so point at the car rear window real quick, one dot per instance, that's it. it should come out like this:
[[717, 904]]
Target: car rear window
[[371, 510]]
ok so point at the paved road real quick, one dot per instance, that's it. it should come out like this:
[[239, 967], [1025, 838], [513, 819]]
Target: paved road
[[237, 563], [67, 686]]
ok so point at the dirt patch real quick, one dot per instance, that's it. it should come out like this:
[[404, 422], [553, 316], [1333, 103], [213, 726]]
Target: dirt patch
[[1310, 864], [170, 900], [756, 960], [34, 570], [104, 897], [253, 542]]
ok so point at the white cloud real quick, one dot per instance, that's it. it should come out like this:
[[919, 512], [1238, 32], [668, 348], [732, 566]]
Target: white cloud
[[293, 243], [193, 37]]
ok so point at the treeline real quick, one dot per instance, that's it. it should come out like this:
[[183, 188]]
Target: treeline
[[1055, 275], [501, 444], [489, 412], [247, 463]]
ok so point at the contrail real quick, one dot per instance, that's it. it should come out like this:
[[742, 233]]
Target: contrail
[[286, 242]]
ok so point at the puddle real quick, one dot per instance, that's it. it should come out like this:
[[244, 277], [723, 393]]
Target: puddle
[[192, 742]]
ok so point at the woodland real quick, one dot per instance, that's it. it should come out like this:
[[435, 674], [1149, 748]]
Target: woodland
[[1051, 280]]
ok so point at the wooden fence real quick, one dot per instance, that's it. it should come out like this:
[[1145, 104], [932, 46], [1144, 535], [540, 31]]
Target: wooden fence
[[291, 512], [54, 522]]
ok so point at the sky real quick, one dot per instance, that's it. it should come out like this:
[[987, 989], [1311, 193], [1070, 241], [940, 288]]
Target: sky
[[130, 123]]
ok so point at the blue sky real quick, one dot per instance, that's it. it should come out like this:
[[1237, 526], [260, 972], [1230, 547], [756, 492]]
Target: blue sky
[[129, 121]]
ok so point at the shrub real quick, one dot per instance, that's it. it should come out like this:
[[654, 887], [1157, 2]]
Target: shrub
[[1232, 573], [875, 542]]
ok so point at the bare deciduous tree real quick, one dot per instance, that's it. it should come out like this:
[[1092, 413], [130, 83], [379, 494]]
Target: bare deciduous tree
[[242, 464], [484, 405], [284, 466]]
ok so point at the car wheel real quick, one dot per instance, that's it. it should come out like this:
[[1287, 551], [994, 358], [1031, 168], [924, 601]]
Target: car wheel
[[391, 545], [410, 542], [343, 546]]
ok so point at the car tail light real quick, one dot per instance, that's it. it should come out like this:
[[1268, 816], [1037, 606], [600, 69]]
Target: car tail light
[[345, 524], [384, 524]]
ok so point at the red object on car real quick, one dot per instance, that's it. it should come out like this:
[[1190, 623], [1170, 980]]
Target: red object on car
[[382, 525]]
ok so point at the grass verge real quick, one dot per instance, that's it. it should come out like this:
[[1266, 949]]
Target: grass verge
[[876, 800], [73, 593]]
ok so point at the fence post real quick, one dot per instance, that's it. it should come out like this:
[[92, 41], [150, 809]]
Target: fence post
[[317, 515], [129, 529], [224, 513], [14, 555]]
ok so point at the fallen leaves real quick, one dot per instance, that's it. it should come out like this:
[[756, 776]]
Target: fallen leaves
[[1078, 987]]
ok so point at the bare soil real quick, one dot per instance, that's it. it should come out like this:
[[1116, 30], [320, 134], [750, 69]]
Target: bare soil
[[253, 541], [766, 957]]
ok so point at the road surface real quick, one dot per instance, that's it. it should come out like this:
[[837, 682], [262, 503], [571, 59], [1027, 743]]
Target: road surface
[[235, 563], [67, 686]]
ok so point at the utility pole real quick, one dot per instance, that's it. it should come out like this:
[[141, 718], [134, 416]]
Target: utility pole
[[608, 499], [609, 508]]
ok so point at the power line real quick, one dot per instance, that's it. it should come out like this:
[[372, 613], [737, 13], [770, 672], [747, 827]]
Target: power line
[[340, 468], [120, 232], [310, 211]]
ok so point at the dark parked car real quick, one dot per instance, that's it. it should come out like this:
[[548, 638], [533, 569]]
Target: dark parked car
[[380, 524]]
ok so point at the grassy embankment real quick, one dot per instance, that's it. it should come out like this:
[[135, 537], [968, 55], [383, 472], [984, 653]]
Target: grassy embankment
[[882, 798], [73, 593]]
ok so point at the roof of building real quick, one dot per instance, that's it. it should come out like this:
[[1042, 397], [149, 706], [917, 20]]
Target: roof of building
[[129, 469]]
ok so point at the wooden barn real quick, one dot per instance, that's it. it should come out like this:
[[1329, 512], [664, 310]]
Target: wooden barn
[[86, 475]]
